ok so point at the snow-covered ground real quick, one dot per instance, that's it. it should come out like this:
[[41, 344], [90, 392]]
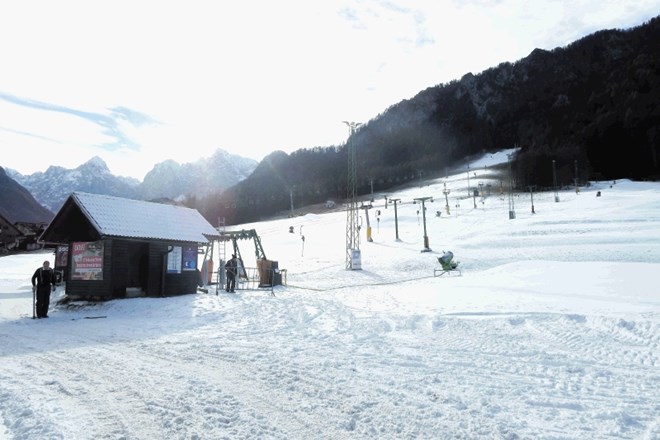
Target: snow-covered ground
[[551, 332]]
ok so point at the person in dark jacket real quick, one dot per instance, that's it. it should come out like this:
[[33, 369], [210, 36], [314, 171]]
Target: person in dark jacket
[[42, 280], [231, 267]]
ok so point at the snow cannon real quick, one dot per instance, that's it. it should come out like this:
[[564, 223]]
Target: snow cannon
[[447, 261], [448, 266]]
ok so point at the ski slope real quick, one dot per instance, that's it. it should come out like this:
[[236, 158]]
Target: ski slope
[[552, 331]]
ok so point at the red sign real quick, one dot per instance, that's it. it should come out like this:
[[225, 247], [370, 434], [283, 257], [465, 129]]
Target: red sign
[[87, 261]]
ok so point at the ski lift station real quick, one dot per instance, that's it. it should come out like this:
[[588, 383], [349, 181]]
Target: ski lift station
[[112, 247], [266, 274]]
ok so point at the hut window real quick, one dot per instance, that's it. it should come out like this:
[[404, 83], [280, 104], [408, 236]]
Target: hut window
[[174, 260]]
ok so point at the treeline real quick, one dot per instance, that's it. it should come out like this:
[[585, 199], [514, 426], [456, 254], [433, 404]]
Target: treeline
[[593, 103]]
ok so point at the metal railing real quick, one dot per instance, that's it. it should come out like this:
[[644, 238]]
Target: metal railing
[[251, 278]]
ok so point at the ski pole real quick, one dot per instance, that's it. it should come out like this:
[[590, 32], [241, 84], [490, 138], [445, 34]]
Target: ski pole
[[34, 301]]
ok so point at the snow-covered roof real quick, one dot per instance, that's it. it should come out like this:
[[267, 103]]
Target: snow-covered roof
[[120, 217]]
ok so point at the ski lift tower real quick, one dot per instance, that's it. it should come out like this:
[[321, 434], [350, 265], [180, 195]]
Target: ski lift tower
[[446, 192], [396, 218], [353, 261], [422, 200], [554, 181], [366, 214], [512, 210], [222, 250]]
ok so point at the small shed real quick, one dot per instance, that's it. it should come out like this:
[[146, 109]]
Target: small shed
[[113, 246]]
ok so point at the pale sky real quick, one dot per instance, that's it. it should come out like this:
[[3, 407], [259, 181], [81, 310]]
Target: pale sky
[[138, 82]]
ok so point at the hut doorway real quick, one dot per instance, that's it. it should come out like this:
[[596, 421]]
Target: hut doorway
[[138, 267]]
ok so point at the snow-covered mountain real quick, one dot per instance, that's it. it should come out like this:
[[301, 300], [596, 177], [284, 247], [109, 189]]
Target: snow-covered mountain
[[168, 179], [220, 171], [52, 187]]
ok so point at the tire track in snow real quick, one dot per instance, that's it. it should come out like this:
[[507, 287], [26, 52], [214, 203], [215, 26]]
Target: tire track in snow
[[357, 373], [224, 401], [608, 340], [542, 377], [532, 373]]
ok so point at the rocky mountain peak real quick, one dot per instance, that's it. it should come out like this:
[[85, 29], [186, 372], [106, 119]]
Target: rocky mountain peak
[[95, 163], [167, 179]]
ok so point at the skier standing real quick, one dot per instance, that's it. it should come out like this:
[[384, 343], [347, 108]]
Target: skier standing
[[231, 273], [42, 280]]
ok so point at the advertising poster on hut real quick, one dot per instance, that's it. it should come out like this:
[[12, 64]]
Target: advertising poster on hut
[[189, 257], [87, 261], [61, 256]]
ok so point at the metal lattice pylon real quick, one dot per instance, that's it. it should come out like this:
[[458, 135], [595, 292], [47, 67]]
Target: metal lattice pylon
[[222, 251], [352, 232]]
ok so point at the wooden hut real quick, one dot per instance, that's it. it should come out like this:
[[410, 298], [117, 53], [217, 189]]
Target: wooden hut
[[115, 246]]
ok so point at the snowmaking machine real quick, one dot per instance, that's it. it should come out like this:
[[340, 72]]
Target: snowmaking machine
[[447, 265]]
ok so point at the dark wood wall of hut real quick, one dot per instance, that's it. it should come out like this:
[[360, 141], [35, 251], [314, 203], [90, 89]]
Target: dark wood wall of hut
[[134, 264], [130, 266], [157, 253], [180, 283], [92, 288]]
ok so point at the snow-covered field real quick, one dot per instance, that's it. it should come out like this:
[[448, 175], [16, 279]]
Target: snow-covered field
[[551, 332]]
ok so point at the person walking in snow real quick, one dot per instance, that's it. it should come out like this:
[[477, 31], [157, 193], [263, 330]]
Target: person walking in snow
[[42, 280], [231, 266]]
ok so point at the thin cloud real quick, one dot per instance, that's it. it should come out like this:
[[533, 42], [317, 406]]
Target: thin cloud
[[32, 135], [109, 124], [134, 117]]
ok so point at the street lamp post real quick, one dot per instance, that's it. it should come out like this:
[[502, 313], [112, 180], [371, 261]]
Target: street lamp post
[[396, 218], [426, 238]]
